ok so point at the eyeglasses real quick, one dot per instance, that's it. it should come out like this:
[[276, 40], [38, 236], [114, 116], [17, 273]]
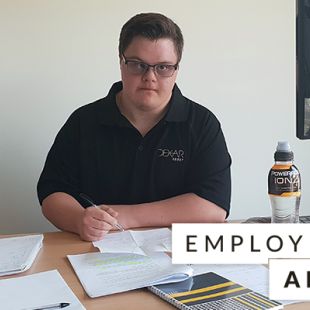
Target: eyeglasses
[[140, 68]]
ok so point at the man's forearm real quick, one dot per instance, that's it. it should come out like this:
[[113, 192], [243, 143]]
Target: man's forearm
[[187, 208], [63, 211]]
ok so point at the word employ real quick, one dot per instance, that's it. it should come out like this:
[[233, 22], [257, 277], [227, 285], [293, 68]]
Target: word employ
[[289, 279], [237, 241]]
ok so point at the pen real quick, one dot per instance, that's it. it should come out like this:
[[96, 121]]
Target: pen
[[51, 306], [86, 198]]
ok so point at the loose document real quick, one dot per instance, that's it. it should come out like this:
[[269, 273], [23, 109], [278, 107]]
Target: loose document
[[106, 273], [136, 242], [37, 291]]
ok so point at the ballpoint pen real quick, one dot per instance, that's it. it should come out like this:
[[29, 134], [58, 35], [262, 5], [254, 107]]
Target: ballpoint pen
[[86, 198], [59, 305]]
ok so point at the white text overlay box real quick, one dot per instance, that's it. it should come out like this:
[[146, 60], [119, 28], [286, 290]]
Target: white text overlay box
[[238, 243], [289, 279]]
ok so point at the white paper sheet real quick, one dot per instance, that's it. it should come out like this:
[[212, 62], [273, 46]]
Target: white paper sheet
[[157, 240], [18, 253], [106, 273], [37, 290], [136, 242]]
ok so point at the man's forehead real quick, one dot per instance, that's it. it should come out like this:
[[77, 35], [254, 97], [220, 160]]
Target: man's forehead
[[144, 49]]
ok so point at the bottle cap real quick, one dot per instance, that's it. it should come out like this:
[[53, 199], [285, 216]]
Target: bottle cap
[[283, 152]]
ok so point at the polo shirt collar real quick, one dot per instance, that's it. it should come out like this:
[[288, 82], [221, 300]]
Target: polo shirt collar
[[177, 111], [111, 114], [178, 107]]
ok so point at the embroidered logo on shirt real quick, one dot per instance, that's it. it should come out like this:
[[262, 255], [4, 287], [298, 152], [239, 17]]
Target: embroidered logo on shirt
[[174, 155]]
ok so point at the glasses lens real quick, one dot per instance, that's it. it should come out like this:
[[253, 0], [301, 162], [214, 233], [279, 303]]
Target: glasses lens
[[165, 70], [136, 67]]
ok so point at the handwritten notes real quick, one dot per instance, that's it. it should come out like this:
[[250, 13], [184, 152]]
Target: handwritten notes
[[18, 253], [136, 242]]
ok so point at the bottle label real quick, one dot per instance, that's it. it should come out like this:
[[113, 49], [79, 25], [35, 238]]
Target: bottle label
[[285, 182]]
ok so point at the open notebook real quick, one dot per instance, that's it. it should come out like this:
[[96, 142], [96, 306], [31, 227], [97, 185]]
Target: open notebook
[[105, 273], [18, 253], [211, 291]]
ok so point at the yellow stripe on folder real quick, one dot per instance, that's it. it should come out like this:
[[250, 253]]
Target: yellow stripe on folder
[[261, 300], [237, 289], [202, 290], [247, 303]]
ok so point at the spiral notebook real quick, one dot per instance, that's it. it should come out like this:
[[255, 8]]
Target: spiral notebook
[[210, 291]]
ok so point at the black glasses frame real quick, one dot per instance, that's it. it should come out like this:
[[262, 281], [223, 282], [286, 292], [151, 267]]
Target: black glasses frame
[[155, 67]]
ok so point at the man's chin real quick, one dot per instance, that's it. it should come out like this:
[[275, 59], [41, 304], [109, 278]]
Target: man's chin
[[148, 105], [148, 102]]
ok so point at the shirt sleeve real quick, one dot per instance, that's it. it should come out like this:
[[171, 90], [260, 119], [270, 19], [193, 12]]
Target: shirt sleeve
[[60, 172], [209, 175]]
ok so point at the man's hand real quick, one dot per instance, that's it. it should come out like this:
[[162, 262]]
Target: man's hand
[[95, 223]]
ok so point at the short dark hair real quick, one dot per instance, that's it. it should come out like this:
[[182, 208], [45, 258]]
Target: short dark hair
[[152, 26]]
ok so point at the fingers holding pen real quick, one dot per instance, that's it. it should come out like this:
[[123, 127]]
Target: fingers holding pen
[[95, 224], [97, 221], [106, 216], [109, 210], [114, 214]]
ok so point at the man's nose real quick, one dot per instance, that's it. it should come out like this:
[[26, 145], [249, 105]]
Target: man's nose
[[150, 74]]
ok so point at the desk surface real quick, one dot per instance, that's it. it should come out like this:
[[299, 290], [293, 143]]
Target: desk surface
[[57, 245]]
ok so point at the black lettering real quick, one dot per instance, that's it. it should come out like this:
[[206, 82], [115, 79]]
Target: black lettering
[[295, 243], [188, 243], [280, 243], [252, 245], [219, 240], [308, 279], [234, 243], [291, 279]]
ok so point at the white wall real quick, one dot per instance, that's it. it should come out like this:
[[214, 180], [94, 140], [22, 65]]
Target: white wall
[[239, 61]]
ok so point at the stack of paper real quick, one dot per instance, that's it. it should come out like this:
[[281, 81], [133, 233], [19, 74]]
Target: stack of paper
[[128, 260], [104, 274], [42, 290], [18, 253]]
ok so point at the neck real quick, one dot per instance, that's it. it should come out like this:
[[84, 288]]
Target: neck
[[142, 120]]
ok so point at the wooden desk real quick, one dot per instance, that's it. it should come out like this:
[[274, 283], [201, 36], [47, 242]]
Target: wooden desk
[[57, 245]]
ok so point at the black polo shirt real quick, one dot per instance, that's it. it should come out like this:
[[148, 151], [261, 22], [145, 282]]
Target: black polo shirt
[[98, 152]]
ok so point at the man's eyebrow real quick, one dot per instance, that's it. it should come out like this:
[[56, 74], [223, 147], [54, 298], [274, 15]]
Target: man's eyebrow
[[157, 63]]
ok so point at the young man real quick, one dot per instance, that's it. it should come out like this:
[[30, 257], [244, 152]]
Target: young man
[[145, 154]]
